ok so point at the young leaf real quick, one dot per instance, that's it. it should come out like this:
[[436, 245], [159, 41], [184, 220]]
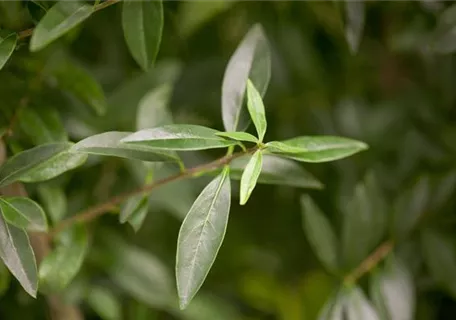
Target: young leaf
[[320, 234], [54, 201], [238, 136], [201, 236], [354, 23], [256, 109], [7, 45], [104, 303], [183, 137], [109, 144], [250, 176], [142, 23], [252, 59], [358, 307], [23, 213], [134, 211], [40, 163], [59, 268], [153, 109], [316, 148], [60, 19], [18, 256], [42, 127], [277, 170]]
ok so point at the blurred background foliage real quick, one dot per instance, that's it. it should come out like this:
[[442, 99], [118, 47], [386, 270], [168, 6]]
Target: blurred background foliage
[[395, 93]]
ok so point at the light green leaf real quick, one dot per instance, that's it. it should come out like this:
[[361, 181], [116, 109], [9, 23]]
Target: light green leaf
[[333, 308], [104, 303], [201, 236], [440, 257], [60, 267], [153, 108], [316, 148], [320, 234], [42, 125], [354, 24], [134, 211], [142, 23], [183, 137], [277, 170], [7, 45], [256, 109], [252, 59], [358, 307], [250, 176], [18, 256], [60, 19], [54, 201], [109, 144], [238, 136], [40, 163], [23, 213], [80, 83]]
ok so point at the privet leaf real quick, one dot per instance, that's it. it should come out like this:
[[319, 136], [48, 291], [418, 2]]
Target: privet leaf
[[42, 126], [18, 256], [109, 144], [354, 23], [7, 45], [358, 307], [142, 23], [59, 268], [184, 137], [40, 163], [60, 19], [250, 176], [23, 213], [238, 136], [153, 109], [256, 109], [320, 234], [252, 59], [54, 201], [104, 303], [316, 148], [201, 236], [134, 211]]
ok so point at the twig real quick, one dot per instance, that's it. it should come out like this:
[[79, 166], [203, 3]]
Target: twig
[[100, 209], [370, 262]]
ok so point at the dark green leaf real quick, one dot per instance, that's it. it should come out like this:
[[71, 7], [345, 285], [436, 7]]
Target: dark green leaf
[[109, 144], [250, 176], [7, 45], [256, 109], [252, 59], [5, 279], [18, 256], [134, 211], [201, 236], [238, 136], [443, 39], [42, 126], [153, 109], [320, 234], [60, 267], [358, 307], [60, 19], [142, 23], [184, 137], [54, 201], [40, 163], [23, 213], [354, 23], [104, 303]]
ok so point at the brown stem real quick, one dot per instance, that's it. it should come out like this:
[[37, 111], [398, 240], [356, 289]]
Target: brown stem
[[370, 262], [100, 209]]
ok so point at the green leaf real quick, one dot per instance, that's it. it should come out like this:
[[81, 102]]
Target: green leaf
[[23, 213], [277, 170], [442, 40], [104, 303], [358, 307], [7, 45], [5, 279], [18, 256], [60, 19], [238, 136], [42, 125], [60, 267], [80, 83], [201, 236], [153, 109], [440, 257], [393, 291], [354, 25], [316, 148], [250, 176], [183, 137], [256, 109], [40, 163], [320, 234], [333, 308], [142, 23], [109, 144], [54, 201], [252, 59], [134, 211]]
